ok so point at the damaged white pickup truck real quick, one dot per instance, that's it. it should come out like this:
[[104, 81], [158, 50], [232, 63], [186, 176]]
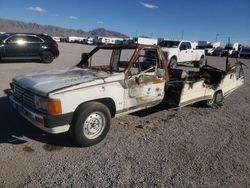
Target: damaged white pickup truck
[[111, 81]]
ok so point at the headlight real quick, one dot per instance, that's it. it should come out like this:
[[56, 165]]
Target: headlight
[[52, 106], [41, 103]]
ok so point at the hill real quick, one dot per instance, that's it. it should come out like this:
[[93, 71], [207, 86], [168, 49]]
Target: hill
[[14, 26]]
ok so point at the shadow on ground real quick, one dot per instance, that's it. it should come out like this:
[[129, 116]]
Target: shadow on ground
[[14, 129], [21, 61]]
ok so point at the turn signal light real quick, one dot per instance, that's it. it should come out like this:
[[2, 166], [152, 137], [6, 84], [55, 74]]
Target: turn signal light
[[54, 107]]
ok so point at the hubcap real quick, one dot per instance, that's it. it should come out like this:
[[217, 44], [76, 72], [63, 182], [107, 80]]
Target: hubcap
[[94, 125]]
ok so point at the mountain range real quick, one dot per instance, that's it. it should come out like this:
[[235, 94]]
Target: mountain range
[[15, 26]]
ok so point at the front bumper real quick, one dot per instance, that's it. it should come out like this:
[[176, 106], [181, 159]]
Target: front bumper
[[49, 123]]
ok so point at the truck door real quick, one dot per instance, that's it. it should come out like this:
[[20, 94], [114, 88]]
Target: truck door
[[34, 45], [146, 80], [184, 54], [190, 52]]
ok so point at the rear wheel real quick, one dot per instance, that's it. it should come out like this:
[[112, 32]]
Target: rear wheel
[[47, 57], [198, 64], [91, 124]]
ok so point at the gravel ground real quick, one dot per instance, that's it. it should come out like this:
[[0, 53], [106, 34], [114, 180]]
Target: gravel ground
[[159, 147]]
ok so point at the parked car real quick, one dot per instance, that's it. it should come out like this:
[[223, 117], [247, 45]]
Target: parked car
[[211, 47], [26, 46], [182, 52], [245, 52], [217, 51], [232, 49], [106, 83]]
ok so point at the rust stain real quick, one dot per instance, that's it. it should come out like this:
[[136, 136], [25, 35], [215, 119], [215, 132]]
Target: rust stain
[[156, 80]]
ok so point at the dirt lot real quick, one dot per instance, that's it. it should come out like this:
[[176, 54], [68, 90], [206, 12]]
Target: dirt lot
[[160, 147]]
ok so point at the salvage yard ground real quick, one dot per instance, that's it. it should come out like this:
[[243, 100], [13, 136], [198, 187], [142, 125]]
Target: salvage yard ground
[[190, 147]]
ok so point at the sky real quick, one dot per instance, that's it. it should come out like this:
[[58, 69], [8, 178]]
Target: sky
[[193, 19]]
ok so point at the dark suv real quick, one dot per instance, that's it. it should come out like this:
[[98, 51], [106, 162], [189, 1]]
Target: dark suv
[[26, 46]]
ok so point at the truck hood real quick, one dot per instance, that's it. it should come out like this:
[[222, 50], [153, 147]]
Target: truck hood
[[43, 83]]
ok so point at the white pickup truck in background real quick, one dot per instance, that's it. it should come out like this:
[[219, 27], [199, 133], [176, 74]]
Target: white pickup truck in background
[[182, 51]]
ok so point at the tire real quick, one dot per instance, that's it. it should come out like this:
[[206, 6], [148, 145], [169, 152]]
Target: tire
[[197, 64], [90, 124], [172, 63], [217, 99], [47, 57]]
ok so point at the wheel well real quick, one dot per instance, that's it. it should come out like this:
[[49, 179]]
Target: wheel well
[[220, 91], [108, 102], [47, 51], [173, 57], [222, 96]]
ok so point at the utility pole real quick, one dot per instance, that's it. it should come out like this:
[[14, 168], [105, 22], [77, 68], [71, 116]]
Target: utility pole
[[216, 37], [182, 34]]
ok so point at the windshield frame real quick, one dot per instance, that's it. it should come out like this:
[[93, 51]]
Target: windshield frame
[[86, 60], [137, 49]]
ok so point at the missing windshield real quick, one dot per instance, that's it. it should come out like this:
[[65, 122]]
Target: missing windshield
[[113, 60]]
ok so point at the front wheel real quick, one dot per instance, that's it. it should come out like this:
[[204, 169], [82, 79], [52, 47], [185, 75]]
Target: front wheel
[[91, 124]]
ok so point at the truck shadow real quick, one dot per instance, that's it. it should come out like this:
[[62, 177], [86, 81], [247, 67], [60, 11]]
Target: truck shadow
[[14, 129], [155, 109]]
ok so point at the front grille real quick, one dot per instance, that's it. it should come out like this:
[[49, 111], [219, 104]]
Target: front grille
[[25, 96]]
